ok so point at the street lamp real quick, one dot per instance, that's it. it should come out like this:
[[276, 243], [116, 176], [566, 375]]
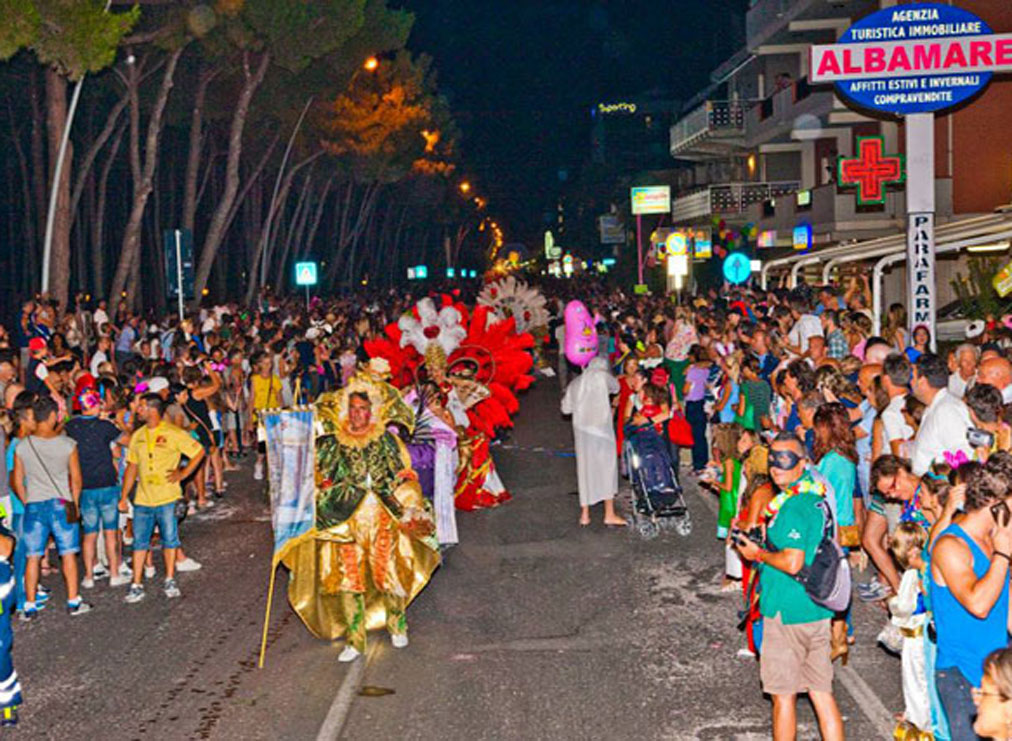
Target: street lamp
[[465, 187], [371, 64]]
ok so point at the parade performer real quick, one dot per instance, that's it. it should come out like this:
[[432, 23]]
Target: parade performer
[[374, 548], [478, 364], [433, 449], [526, 305], [587, 398]]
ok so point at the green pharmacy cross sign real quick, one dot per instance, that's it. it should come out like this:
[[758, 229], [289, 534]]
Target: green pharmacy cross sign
[[871, 170]]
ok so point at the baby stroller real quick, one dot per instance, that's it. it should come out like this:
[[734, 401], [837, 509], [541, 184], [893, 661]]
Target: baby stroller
[[658, 502]]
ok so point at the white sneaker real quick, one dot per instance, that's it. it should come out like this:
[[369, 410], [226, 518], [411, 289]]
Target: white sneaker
[[399, 641], [125, 570], [134, 594], [149, 572], [119, 580], [190, 564], [100, 571], [349, 654], [258, 475], [171, 589], [87, 583]]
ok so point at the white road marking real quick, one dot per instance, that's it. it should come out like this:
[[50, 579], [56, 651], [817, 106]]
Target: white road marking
[[340, 708]]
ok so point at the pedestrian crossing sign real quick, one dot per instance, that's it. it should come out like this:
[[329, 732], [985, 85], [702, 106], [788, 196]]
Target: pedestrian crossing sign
[[305, 273]]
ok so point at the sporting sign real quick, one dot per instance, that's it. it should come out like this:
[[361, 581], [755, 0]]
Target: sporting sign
[[305, 274], [737, 268], [914, 58], [654, 199], [871, 170]]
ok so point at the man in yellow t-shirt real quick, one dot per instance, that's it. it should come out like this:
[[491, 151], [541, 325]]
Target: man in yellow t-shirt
[[265, 388], [153, 458]]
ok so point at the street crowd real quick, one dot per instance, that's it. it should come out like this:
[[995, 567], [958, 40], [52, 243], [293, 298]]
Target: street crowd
[[818, 437], [116, 427], [803, 423]]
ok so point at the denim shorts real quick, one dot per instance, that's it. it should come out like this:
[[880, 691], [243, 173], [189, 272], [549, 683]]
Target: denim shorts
[[145, 519], [100, 507], [43, 519]]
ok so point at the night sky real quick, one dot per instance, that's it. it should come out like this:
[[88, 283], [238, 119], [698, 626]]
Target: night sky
[[522, 76]]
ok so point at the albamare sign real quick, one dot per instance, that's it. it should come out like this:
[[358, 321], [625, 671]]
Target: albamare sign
[[992, 53], [913, 58]]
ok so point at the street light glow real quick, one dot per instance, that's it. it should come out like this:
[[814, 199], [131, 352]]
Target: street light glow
[[465, 187], [371, 64]]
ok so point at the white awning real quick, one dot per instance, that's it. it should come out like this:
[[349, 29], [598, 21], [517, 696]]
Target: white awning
[[948, 237]]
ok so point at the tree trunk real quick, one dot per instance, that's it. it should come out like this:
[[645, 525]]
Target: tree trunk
[[216, 229], [307, 246], [298, 228], [129, 260], [30, 276], [98, 222], [348, 234], [256, 275], [39, 178], [56, 122], [88, 161], [196, 144]]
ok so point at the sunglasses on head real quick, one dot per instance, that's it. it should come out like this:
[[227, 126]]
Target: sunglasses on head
[[785, 460]]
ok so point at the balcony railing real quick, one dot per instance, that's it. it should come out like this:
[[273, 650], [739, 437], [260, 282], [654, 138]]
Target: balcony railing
[[766, 17], [714, 119], [728, 199], [779, 112]]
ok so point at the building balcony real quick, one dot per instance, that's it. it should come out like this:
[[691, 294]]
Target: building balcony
[[714, 129], [788, 113], [771, 22], [727, 200], [835, 215]]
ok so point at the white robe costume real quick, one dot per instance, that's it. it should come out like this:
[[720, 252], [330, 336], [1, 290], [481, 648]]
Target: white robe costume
[[587, 398]]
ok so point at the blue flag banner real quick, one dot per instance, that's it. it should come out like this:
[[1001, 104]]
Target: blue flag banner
[[291, 466]]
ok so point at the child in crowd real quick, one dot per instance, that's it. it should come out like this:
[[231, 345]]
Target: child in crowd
[[726, 481], [911, 617]]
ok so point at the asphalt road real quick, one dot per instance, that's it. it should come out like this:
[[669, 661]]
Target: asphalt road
[[534, 628]]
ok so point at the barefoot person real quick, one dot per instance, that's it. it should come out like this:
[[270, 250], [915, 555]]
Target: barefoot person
[[587, 399]]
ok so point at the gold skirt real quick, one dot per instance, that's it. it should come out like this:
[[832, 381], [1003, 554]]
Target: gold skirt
[[366, 554]]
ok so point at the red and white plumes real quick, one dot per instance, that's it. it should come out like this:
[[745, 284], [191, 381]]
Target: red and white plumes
[[490, 351], [442, 326], [510, 297]]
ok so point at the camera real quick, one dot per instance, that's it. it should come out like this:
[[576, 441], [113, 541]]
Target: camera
[[978, 438]]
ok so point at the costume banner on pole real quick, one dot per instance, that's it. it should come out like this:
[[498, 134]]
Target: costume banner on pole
[[291, 466]]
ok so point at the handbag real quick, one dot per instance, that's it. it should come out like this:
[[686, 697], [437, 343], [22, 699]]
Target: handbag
[[679, 430], [747, 418], [849, 536], [70, 507]]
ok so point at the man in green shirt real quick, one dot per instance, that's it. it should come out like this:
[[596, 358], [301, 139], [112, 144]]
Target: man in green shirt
[[796, 632]]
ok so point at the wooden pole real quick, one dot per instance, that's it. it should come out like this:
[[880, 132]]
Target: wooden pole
[[267, 615]]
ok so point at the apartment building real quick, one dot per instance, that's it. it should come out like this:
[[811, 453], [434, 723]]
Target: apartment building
[[762, 145]]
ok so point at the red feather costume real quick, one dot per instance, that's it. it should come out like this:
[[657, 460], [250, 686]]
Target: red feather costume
[[490, 366]]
